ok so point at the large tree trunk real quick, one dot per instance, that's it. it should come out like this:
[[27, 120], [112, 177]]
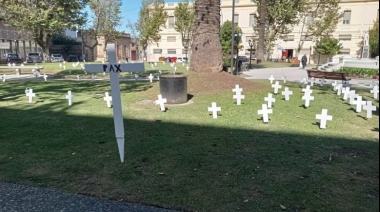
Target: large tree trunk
[[263, 15], [207, 55]]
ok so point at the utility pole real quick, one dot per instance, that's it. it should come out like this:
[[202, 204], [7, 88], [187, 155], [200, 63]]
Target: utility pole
[[233, 36]]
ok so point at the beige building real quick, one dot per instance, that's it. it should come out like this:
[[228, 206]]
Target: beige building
[[358, 18]]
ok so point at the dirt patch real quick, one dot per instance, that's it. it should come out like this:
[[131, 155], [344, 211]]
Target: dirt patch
[[202, 83]]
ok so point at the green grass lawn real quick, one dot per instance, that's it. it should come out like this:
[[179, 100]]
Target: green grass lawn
[[184, 159]]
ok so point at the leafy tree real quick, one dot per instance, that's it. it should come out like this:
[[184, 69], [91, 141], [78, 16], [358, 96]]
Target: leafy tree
[[105, 18], [207, 54], [184, 23], [374, 39], [226, 41], [151, 18], [328, 46], [43, 18], [282, 16], [319, 18]]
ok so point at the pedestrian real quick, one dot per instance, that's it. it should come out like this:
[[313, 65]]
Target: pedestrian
[[304, 61], [126, 58]]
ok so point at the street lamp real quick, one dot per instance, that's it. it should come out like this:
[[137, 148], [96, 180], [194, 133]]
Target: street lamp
[[251, 45]]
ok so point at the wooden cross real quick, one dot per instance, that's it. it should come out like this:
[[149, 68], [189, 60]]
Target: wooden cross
[[287, 93], [276, 87], [375, 91], [271, 79], [307, 97], [161, 101], [114, 69], [359, 103], [265, 112], [270, 100], [214, 109], [69, 97], [324, 118], [369, 108], [30, 94]]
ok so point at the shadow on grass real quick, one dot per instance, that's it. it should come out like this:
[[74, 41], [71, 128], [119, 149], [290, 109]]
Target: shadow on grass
[[188, 167]]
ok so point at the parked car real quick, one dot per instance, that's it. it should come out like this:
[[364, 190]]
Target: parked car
[[56, 58], [12, 58], [34, 57], [72, 58]]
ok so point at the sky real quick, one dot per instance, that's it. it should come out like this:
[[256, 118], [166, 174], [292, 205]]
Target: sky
[[130, 10]]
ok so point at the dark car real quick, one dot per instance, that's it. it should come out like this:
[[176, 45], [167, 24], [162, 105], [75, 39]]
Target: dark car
[[12, 58], [34, 57], [72, 58], [243, 59]]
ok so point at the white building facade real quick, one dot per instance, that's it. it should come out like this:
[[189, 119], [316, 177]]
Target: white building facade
[[359, 16]]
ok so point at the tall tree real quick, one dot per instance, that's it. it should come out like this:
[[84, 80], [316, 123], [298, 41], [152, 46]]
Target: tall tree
[[374, 38], [319, 18], [152, 17], [43, 18], [226, 42], [207, 55], [282, 16], [327, 46], [261, 25], [184, 23]]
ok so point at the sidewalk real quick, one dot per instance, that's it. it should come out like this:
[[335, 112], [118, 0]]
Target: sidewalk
[[295, 74], [20, 198]]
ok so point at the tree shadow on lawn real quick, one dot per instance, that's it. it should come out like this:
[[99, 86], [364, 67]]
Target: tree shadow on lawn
[[188, 167]]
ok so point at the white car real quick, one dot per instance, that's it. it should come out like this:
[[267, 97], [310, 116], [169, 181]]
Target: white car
[[56, 58]]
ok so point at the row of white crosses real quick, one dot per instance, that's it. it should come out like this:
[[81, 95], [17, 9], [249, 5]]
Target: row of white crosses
[[29, 93]]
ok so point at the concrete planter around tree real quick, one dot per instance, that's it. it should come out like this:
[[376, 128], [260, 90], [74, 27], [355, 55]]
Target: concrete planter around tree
[[174, 88]]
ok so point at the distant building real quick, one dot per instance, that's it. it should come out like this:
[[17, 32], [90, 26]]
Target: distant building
[[358, 18]]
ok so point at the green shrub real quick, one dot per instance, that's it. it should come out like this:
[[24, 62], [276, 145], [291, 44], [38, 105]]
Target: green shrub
[[365, 72]]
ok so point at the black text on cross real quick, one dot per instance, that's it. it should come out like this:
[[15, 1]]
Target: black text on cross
[[111, 68]]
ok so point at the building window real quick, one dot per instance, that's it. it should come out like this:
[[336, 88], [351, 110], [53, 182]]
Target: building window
[[252, 21], [347, 17], [171, 22], [236, 19], [309, 38], [172, 51], [345, 51], [345, 37], [157, 51], [172, 39], [289, 38]]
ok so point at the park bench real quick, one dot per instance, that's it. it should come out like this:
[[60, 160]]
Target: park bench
[[295, 63], [35, 69], [327, 75]]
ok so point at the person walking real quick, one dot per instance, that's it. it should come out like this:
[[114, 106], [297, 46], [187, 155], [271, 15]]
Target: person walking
[[304, 61]]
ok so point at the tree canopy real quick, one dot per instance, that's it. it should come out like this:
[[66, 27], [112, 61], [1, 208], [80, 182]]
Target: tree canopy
[[184, 22], [374, 39], [328, 46]]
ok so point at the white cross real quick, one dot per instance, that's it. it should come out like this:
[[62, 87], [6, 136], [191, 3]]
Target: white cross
[[60, 65], [64, 67], [352, 96], [13, 64], [284, 79], [304, 82], [307, 97], [9, 65], [270, 100], [4, 77], [161, 102], [324, 118], [30, 94], [373, 84], [339, 89], [375, 91], [335, 85], [271, 79], [312, 81], [187, 67], [322, 82], [287, 93], [163, 63], [70, 97], [45, 77], [237, 89], [136, 76], [307, 90], [151, 65], [369, 108], [108, 99], [151, 77], [265, 112], [155, 64], [78, 77], [276, 87], [214, 109], [114, 69], [359, 103], [346, 91], [238, 98]]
